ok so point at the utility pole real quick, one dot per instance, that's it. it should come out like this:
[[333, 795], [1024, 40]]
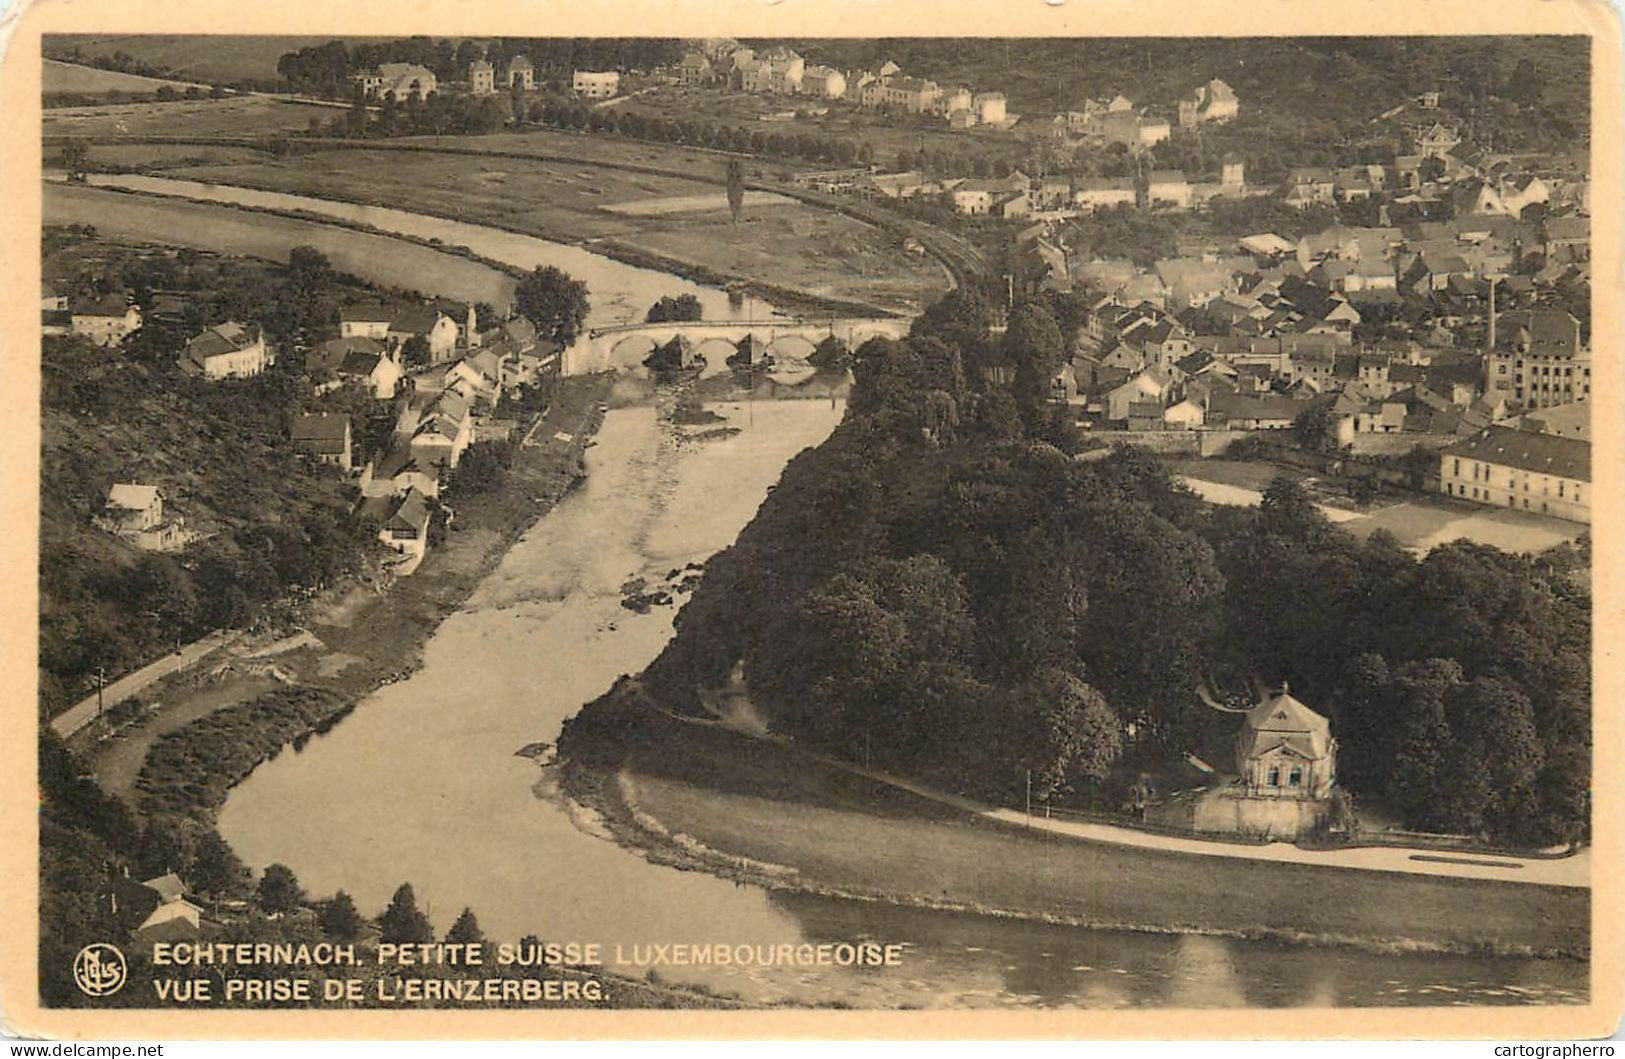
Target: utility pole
[[101, 685], [1029, 797]]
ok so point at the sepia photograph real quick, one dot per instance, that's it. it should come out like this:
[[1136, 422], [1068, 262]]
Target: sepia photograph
[[746, 524]]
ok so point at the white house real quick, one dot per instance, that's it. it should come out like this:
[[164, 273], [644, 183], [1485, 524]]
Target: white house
[[1094, 193], [595, 84], [226, 351]]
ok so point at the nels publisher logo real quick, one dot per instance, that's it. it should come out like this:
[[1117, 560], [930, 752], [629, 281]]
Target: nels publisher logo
[[99, 970]]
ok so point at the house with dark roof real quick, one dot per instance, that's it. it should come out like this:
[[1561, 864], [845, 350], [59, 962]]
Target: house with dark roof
[[105, 320], [324, 437], [406, 526], [152, 911], [226, 351], [1522, 470]]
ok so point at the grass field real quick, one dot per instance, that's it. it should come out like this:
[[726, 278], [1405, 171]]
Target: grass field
[[746, 798], [381, 260], [784, 244], [69, 77]]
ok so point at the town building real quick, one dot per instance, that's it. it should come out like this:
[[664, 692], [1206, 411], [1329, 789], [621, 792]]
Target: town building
[[482, 80], [226, 351], [595, 84], [1524, 470], [1538, 360]]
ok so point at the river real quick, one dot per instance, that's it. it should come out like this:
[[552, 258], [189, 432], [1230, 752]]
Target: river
[[421, 784]]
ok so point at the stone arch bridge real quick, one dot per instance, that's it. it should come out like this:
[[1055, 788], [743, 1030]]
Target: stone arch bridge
[[626, 345]]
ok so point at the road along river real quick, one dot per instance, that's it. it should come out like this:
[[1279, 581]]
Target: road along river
[[421, 782]]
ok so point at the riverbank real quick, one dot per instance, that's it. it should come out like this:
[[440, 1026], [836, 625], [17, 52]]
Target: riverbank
[[361, 637], [701, 797]]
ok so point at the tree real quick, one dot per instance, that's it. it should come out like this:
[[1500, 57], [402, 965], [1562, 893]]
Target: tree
[[554, 302], [1068, 730], [402, 923], [74, 155], [216, 869], [466, 931], [736, 188], [415, 351], [338, 917], [279, 890], [684, 307], [1034, 347]]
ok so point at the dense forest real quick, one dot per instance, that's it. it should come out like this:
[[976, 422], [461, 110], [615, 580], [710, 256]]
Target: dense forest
[[943, 589]]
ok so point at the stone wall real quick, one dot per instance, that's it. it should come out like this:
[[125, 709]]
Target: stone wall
[[1228, 811]]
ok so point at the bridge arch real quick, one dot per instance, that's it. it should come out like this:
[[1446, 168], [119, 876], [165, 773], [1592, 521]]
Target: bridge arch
[[792, 347]]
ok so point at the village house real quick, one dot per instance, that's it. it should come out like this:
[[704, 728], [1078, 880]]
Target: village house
[[911, 95], [405, 524], [1437, 141], [135, 513], [324, 437], [394, 326], [1214, 101], [482, 80], [1167, 187], [106, 320], [397, 471], [156, 910], [595, 84], [1566, 238], [823, 82], [1241, 411], [358, 361], [521, 73], [694, 69], [1501, 466], [1149, 386], [440, 426], [226, 351], [1094, 193], [399, 81]]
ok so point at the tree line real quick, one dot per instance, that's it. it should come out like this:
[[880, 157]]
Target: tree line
[[943, 590]]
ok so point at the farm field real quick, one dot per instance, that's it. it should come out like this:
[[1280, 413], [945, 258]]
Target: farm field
[[779, 243], [69, 77], [235, 116], [208, 57]]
